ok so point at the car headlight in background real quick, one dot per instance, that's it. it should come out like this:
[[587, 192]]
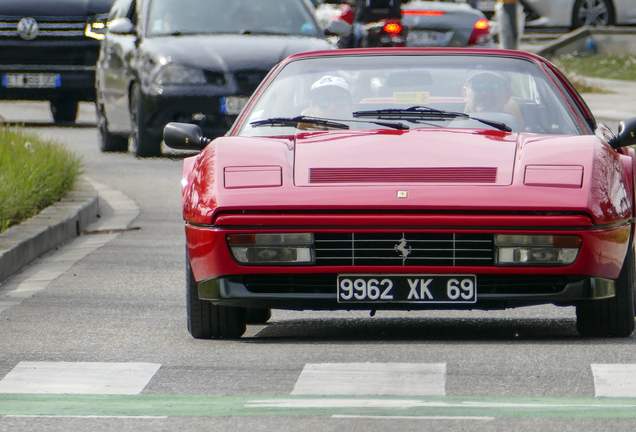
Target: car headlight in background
[[174, 74], [278, 249], [529, 250], [96, 27]]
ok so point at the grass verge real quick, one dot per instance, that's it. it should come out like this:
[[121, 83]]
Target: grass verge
[[34, 173], [578, 67]]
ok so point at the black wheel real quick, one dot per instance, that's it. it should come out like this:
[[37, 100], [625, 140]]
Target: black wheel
[[144, 143], [208, 321], [592, 13], [64, 110], [613, 316], [109, 142], [257, 315]]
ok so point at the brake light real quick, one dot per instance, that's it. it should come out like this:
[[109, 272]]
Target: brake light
[[423, 12], [346, 13], [392, 28], [481, 33]]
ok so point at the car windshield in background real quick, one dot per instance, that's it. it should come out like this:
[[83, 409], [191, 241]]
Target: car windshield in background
[[183, 17], [412, 91]]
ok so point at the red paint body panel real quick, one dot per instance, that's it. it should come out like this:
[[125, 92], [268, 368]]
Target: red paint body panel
[[420, 180]]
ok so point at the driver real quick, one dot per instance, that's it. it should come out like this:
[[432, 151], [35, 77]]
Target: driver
[[490, 91], [330, 98]]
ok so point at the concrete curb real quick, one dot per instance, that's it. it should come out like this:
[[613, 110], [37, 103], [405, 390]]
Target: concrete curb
[[55, 225]]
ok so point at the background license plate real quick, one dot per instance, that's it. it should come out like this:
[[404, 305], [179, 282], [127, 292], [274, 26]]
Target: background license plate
[[31, 80], [428, 38], [233, 104], [407, 288]]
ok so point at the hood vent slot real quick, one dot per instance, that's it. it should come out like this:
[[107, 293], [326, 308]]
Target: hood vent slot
[[404, 175]]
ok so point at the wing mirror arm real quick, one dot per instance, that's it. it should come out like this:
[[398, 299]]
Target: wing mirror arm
[[184, 136], [626, 135]]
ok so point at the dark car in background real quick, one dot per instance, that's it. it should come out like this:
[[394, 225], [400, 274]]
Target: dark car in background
[[452, 23], [49, 50], [192, 61]]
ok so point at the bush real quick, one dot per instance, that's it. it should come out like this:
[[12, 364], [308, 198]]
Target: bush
[[34, 173]]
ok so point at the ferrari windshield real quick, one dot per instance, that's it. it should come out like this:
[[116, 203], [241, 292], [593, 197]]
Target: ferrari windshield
[[183, 17], [462, 91]]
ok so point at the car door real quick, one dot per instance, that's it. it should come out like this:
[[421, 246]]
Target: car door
[[114, 70], [625, 11]]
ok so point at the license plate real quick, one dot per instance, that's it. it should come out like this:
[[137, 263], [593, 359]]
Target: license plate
[[427, 38], [486, 5], [30, 80], [357, 288], [233, 104]]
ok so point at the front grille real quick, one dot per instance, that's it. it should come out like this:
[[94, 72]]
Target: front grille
[[248, 80], [50, 27], [404, 249], [33, 54], [60, 43]]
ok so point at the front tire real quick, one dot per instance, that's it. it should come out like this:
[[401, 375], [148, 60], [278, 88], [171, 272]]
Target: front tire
[[144, 142], [592, 13], [613, 316], [208, 321]]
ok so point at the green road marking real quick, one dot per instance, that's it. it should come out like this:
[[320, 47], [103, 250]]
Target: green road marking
[[261, 405]]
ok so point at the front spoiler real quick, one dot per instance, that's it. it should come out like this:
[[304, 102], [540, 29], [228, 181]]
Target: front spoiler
[[232, 292]]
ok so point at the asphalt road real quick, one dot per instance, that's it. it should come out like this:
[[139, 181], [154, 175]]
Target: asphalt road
[[104, 345]]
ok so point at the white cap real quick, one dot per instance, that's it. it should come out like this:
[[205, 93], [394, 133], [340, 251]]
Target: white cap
[[329, 80]]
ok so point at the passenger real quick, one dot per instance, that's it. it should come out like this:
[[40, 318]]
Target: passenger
[[487, 91], [330, 98]]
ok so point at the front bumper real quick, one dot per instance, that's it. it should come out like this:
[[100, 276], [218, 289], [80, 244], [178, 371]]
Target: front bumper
[[313, 286], [202, 110], [318, 292], [77, 83]]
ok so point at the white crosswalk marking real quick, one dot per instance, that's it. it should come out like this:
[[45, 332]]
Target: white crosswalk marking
[[78, 378], [413, 379], [614, 380]]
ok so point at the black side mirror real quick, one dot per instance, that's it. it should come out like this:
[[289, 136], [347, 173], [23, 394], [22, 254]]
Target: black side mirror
[[184, 136], [626, 134]]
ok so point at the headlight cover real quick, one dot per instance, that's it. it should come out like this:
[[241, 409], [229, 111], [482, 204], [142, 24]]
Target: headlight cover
[[536, 250], [175, 74], [272, 249]]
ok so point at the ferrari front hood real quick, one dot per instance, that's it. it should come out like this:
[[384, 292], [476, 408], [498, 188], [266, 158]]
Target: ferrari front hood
[[420, 156]]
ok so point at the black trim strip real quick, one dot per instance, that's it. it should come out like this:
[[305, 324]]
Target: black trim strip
[[427, 227]]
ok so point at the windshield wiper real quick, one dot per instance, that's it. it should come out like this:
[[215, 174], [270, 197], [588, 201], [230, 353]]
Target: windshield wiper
[[294, 121], [418, 113]]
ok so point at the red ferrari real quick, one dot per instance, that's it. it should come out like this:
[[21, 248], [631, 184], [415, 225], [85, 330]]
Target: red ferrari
[[409, 179]]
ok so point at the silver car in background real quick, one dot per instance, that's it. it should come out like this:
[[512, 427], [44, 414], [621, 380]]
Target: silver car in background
[[577, 13]]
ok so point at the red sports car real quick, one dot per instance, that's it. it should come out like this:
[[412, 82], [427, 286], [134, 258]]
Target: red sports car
[[414, 178]]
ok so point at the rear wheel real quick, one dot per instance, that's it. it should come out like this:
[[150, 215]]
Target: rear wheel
[[208, 321], [64, 110], [592, 13], [144, 142], [613, 316]]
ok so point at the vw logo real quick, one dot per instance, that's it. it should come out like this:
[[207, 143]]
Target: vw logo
[[28, 28]]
